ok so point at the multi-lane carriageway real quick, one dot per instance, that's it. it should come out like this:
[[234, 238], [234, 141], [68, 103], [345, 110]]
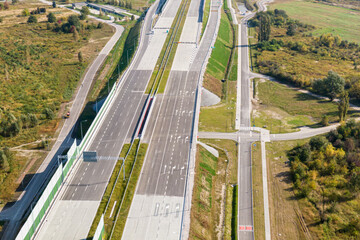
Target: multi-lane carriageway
[[72, 214], [161, 187]]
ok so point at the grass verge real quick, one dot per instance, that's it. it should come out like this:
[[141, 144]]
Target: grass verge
[[212, 203], [222, 64], [119, 191], [165, 76], [161, 72], [257, 186]]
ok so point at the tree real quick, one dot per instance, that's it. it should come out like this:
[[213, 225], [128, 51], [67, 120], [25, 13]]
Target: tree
[[343, 106], [9, 125], [32, 19], [317, 142], [74, 20], [291, 30], [14, 2], [132, 17], [51, 18], [334, 84], [54, 4], [80, 57], [264, 28], [85, 11], [330, 86]]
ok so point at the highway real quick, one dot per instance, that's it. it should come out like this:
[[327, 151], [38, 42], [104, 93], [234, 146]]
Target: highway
[[64, 139], [86, 186], [157, 207]]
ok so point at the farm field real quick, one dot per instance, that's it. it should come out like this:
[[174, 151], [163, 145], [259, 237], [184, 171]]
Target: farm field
[[327, 19]]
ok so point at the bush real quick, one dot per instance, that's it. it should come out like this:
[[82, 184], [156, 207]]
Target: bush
[[292, 29], [25, 12], [32, 19], [49, 114], [51, 18], [325, 121]]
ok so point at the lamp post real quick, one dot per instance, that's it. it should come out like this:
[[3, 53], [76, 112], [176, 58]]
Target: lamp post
[[81, 128]]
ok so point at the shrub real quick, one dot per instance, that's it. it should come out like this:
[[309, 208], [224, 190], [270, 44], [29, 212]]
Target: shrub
[[325, 121], [25, 12], [49, 114], [32, 19], [51, 18]]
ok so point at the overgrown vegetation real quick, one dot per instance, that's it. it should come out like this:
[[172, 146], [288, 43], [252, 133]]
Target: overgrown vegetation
[[326, 172], [39, 72], [292, 54]]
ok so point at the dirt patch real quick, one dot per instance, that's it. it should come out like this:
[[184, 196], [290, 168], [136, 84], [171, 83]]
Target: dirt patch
[[212, 84]]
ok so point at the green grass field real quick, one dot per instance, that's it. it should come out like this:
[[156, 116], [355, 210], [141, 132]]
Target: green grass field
[[220, 54], [327, 19], [283, 109]]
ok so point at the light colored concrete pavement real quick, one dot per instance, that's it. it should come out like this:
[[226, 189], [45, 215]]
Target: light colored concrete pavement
[[211, 150], [208, 98]]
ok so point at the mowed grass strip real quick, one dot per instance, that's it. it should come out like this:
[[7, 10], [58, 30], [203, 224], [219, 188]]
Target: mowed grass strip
[[129, 195], [327, 19], [257, 188], [221, 53], [157, 70], [220, 117], [119, 190], [170, 61]]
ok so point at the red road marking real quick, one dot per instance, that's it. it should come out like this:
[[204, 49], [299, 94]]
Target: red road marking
[[245, 228], [249, 228]]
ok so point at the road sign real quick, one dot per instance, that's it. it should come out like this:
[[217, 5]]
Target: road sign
[[89, 156]]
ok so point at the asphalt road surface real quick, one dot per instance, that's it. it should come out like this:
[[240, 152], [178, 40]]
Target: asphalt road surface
[[157, 206], [91, 178]]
